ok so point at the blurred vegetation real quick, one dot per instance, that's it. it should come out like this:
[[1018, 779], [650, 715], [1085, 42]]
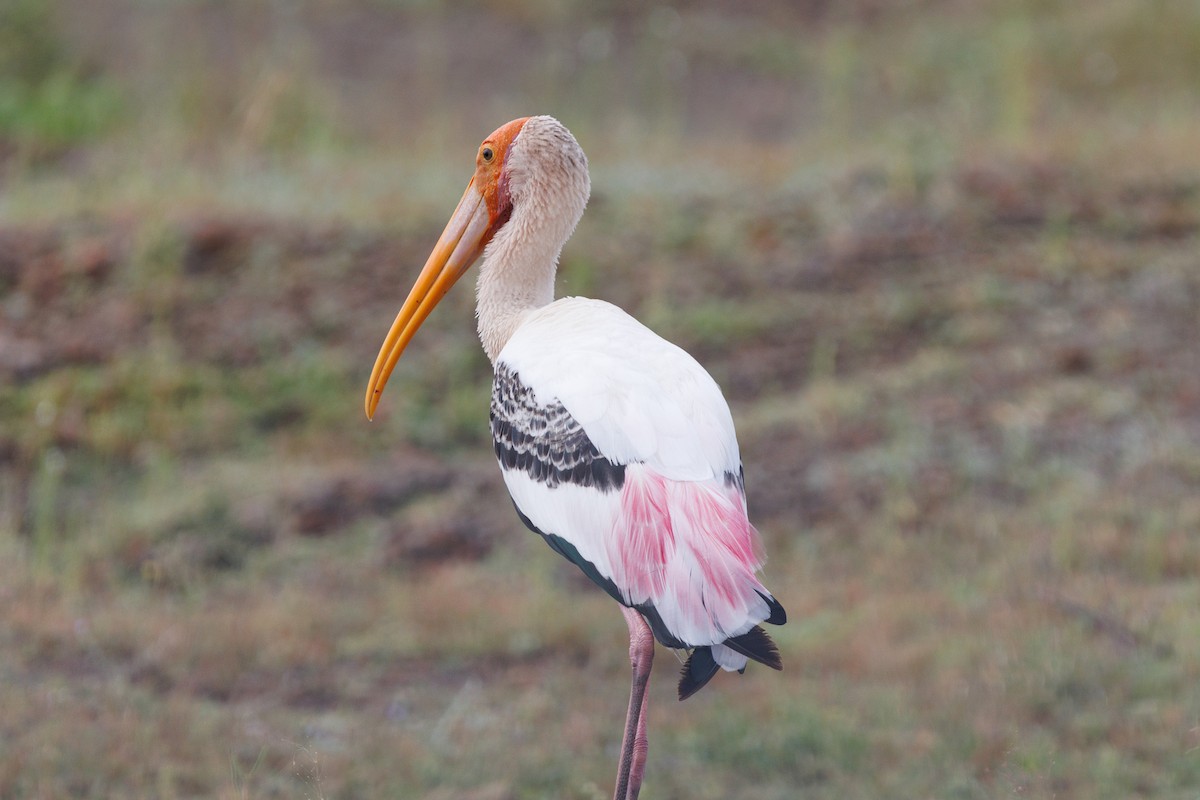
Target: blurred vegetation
[[48, 100], [941, 255]]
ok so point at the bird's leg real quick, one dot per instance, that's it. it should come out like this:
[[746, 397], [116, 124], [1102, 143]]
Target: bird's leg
[[641, 744], [635, 743]]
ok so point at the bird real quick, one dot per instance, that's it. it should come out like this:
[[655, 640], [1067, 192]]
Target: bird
[[616, 446]]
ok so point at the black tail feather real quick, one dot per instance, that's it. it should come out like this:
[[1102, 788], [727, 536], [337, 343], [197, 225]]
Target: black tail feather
[[700, 666], [778, 615], [697, 671], [757, 645]]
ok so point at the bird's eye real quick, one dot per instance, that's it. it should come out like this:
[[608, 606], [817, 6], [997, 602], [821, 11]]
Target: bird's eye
[[487, 154]]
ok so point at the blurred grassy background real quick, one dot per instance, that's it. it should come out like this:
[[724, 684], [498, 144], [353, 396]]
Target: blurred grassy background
[[942, 255]]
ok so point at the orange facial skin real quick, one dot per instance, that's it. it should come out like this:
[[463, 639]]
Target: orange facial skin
[[490, 175]]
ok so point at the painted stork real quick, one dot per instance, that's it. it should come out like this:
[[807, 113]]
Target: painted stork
[[616, 446]]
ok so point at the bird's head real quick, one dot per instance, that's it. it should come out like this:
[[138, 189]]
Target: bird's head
[[531, 181]]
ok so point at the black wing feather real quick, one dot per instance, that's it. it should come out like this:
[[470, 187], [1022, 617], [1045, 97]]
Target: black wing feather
[[544, 440]]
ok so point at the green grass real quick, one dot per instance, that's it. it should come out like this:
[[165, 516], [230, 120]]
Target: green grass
[[941, 258]]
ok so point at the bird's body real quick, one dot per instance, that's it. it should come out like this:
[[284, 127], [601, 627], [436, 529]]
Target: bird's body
[[616, 446], [619, 449]]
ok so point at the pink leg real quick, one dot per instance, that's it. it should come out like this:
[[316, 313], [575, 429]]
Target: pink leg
[[641, 744], [634, 745]]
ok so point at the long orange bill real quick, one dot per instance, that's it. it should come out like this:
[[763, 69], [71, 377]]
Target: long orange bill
[[459, 246]]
